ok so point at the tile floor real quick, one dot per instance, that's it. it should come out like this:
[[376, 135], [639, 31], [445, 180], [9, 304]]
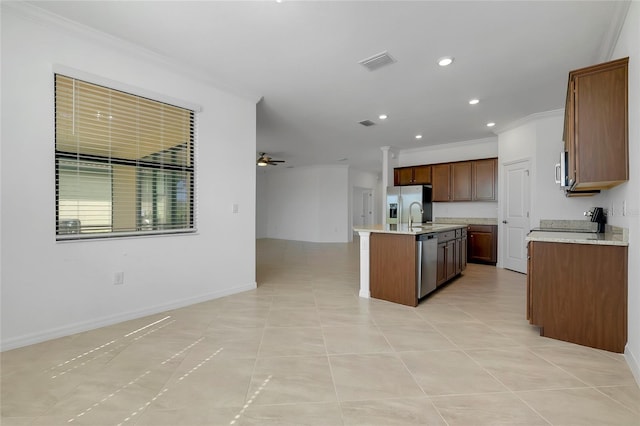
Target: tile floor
[[303, 349]]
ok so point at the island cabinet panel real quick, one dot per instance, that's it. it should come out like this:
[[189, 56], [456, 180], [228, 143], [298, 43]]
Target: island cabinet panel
[[450, 259], [441, 179], [578, 293], [393, 268], [461, 250], [461, 181]]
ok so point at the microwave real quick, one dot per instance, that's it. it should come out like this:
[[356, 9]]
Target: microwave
[[562, 171], [567, 184]]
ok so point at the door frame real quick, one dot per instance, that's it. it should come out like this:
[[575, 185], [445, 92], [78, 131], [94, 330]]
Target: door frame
[[502, 247]]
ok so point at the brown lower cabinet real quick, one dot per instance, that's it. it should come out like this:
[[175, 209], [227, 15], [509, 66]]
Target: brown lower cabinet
[[578, 293], [483, 243], [451, 258]]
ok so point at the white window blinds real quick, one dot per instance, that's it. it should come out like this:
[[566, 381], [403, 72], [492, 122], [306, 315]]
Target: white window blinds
[[124, 163]]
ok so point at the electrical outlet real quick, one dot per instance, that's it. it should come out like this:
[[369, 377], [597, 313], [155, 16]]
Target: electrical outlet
[[234, 208], [118, 278]]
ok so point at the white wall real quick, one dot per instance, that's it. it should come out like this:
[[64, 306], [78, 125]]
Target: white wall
[[262, 204], [51, 289], [358, 182], [306, 204], [538, 138], [459, 151], [629, 45]]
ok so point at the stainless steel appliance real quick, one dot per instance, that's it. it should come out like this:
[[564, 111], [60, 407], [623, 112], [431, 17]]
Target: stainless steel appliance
[[399, 199], [562, 171], [566, 183], [426, 263]]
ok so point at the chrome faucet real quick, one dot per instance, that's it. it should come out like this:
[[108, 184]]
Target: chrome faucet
[[410, 216]]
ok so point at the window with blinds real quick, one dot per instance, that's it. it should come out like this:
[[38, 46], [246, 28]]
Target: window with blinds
[[124, 163]]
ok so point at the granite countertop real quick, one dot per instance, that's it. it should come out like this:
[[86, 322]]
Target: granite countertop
[[418, 229], [606, 238]]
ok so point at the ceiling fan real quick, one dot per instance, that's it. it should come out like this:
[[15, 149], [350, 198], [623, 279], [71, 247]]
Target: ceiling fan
[[265, 160]]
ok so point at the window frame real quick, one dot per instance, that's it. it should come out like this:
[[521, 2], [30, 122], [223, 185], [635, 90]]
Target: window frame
[[137, 165]]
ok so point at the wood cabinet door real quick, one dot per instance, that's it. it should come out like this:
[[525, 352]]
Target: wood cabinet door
[[442, 265], [450, 256], [396, 177], [484, 177], [578, 293], [482, 241], [530, 316], [422, 175], [406, 175], [600, 119], [463, 253], [440, 178], [461, 181], [480, 246], [457, 254]]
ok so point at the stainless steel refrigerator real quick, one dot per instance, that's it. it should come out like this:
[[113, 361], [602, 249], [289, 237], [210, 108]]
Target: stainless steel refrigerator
[[399, 199]]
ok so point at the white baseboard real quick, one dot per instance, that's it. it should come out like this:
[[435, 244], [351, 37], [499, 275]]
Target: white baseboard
[[633, 363], [54, 333]]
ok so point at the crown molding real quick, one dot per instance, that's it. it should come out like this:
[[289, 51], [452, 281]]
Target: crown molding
[[449, 145], [48, 19], [610, 40], [529, 119]]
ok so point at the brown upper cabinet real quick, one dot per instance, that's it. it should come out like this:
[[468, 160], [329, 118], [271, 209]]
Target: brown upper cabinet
[[441, 180], [474, 180], [484, 174], [414, 175], [461, 181], [596, 126]]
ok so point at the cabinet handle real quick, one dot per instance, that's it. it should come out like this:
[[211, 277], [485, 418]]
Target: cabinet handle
[[504, 221]]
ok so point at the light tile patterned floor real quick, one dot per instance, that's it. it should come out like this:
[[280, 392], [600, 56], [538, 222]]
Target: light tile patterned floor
[[304, 349]]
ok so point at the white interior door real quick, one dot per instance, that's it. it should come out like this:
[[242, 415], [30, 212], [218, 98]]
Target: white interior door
[[516, 215]]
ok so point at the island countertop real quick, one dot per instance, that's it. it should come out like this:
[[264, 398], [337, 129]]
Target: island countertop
[[417, 229]]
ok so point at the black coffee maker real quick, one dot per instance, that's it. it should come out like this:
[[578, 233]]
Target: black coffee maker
[[596, 214]]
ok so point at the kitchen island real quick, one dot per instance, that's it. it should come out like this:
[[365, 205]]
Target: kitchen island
[[394, 266]]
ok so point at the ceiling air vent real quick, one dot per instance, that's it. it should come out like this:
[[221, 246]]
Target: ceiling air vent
[[377, 61], [367, 123]]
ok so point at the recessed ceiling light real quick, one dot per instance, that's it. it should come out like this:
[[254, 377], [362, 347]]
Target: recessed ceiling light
[[418, 136], [447, 60], [382, 116], [474, 101], [491, 124]]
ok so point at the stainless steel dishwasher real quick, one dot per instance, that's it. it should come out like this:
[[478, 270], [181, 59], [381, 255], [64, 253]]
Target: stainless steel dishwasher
[[427, 263]]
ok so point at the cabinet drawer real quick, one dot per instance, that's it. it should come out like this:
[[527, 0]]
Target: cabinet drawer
[[481, 228], [443, 237]]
